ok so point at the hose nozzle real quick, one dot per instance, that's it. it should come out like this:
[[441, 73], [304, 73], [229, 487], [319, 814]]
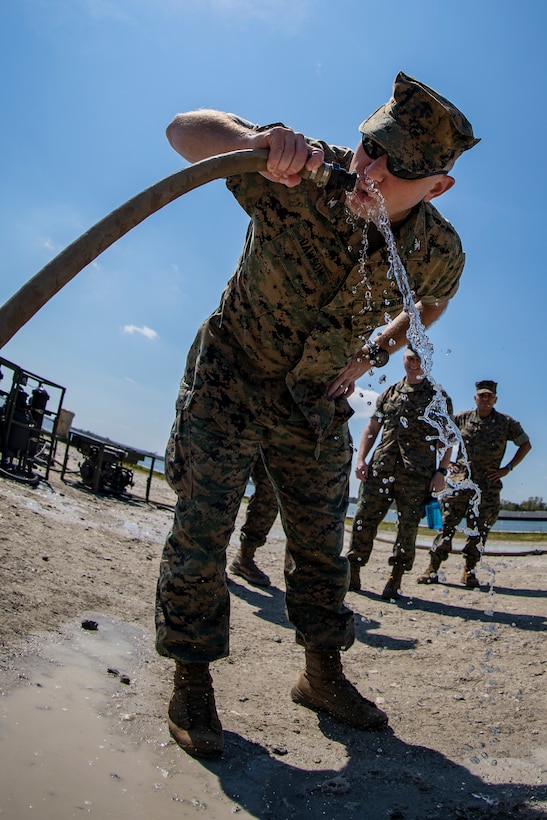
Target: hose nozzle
[[332, 176]]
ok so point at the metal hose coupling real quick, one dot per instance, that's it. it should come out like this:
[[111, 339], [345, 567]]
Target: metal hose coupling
[[332, 176]]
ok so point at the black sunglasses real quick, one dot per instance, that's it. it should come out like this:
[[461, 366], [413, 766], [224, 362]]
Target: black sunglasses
[[373, 150]]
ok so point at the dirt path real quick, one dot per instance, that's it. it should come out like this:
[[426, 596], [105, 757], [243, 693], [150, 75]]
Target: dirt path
[[460, 672]]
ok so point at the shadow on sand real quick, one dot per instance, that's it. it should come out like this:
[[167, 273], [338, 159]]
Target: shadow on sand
[[269, 604], [382, 778]]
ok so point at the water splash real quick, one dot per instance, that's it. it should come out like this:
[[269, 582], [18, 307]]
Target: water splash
[[436, 413]]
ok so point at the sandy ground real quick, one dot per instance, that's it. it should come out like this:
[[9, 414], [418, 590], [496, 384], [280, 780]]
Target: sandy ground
[[461, 674]]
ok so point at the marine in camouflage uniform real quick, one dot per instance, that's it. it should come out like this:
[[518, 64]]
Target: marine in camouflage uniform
[[485, 434], [261, 513], [270, 371], [403, 468]]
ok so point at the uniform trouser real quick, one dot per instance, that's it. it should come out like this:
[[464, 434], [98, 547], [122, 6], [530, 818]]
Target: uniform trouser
[[459, 505], [262, 508], [409, 491], [208, 466]]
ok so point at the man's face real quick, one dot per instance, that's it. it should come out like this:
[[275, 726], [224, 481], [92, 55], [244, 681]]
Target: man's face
[[485, 402], [400, 195], [413, 367]]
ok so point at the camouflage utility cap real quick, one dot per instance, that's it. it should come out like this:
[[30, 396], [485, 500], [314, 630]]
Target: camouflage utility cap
[[409, 351], [486, 386], [421, 131]]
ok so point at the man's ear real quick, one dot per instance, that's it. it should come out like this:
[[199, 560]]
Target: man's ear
[[442, 185]]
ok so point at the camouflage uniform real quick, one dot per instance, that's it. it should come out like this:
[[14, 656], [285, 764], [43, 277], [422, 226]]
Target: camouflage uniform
[[485, 442], [262, 508], [400, 470], [257, 375]]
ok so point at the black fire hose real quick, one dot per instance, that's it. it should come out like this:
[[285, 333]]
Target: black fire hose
[[22, 306]]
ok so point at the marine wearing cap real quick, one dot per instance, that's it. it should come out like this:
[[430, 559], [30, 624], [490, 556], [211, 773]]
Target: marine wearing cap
[[486, 386], [421, 131]]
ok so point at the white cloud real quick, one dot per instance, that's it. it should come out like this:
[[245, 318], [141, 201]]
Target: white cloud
[[144, 331], [363, 402]]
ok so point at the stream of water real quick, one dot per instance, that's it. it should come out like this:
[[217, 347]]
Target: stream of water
[[436, 414]]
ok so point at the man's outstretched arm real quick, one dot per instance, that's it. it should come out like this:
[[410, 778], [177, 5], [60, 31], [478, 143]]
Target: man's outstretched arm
[[391, 338], [205, 133]]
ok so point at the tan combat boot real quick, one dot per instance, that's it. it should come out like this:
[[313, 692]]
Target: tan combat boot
[[323, 686], [391, 589], [244, 566], [469, 579], [430, 575], [192, 715]]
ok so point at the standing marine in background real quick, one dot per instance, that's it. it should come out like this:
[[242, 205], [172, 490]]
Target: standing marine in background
[[404, 468], [485, 433]]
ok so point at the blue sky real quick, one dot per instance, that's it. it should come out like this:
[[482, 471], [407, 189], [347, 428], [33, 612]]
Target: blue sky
[[88, 87]]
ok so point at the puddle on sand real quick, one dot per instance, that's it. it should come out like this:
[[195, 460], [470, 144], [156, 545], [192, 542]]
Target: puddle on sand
[[62, 756]]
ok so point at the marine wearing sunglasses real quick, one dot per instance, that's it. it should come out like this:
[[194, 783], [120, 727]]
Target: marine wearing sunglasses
[[374, 150]]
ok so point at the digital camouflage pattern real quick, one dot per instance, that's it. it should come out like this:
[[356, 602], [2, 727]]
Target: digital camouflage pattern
[[409, 491], [208, 466], [405, 435], [400, 470], [262, 508], [486, 386], [457, 506], [485, 442], [421, 131], [257, 374], [295, 310]]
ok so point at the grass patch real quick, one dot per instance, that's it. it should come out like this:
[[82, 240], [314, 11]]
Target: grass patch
[[519, 537]]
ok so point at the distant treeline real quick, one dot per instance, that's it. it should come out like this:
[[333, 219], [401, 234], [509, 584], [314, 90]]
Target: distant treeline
[[533, 504]]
